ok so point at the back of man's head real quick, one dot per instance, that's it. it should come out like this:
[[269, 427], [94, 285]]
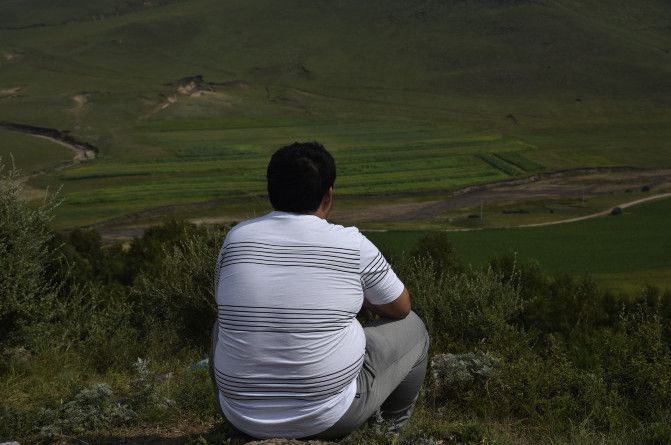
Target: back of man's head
[[298, 177]]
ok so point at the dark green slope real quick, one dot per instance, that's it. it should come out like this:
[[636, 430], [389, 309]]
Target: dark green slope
[[495, 52]]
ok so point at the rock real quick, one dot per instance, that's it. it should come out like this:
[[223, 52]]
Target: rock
[[9, 443], [461, 370], [203, 364]]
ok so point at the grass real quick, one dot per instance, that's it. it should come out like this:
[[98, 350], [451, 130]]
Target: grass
[[403, 111], [622, 252], [30, 153]]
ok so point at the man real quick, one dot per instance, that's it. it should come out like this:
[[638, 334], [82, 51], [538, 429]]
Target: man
[[289, 358]]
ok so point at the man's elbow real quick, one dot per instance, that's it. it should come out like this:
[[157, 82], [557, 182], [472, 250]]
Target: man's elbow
[[404, 304], [405, 311]]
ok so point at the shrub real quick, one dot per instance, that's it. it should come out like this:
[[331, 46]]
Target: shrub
[[463, 309], [177, 294], [91, 409], [25, 285], [460, 375], [438, 248]]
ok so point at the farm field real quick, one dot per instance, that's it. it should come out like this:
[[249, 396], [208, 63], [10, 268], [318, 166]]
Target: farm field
[[415, 100], [621, 252], [229, 166]]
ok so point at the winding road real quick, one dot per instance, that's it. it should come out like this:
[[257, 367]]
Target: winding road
[[607, 212]]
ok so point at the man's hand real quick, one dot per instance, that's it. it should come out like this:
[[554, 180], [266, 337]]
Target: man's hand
[[399, 308]]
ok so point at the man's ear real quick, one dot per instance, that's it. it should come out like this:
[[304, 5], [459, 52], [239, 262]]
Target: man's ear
[[327, 200]]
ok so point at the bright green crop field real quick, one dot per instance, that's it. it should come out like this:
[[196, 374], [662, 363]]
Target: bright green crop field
[[622, 252]]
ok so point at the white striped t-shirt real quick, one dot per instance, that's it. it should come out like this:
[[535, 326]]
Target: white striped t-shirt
[[288, 288]]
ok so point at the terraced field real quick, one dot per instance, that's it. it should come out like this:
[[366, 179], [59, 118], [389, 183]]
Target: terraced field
[[185, 100], [374, 159]]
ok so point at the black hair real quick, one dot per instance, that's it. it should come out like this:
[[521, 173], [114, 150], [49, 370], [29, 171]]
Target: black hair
[[298, 177]]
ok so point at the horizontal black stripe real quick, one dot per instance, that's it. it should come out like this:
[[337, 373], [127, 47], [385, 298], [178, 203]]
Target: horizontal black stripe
[[283, 308], [285, 315], [335, 262], [300, 378], [241, 250], [276, 329], [279, 330], [250, 317], [287, 396], [312, 246], [303, 391], [280, 324], [273, 320], [283, 387], [246, 387], [318, 266]]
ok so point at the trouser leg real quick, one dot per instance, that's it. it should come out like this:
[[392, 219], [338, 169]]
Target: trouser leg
[[399, 405], [392, 374]]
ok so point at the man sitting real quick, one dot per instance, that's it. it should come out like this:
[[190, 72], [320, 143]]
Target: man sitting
[[289, 359]]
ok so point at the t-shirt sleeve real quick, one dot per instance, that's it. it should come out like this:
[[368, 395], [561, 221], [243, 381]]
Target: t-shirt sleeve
[[380, 283]]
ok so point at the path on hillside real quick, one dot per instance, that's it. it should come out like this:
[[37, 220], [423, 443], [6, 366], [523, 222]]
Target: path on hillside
[[575, 184], [82, 151], [607, 212]]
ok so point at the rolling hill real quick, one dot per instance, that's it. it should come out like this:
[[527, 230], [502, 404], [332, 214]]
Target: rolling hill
[[186, 99]]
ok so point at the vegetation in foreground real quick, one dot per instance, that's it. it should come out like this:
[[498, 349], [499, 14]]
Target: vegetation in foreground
[[99, 344]]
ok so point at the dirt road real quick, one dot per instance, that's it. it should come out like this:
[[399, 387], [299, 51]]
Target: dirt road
[[576, 184], [624, 205]]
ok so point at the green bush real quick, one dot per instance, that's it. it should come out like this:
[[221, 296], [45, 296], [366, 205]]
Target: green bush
[[178, 293], [25, 285], [463, 309]]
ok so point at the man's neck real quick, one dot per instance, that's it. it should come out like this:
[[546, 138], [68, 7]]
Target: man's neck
[[320, 213]]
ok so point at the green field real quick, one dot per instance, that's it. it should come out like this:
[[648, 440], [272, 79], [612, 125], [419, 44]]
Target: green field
[[415, 99], [623, 252]]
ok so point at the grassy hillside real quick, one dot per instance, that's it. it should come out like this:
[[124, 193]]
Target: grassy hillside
[[29, 153], [413, 97]]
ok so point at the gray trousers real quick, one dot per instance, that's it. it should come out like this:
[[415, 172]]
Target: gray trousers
[[393, 371]]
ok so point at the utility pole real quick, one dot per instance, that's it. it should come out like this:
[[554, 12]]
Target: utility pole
[[481, 213]]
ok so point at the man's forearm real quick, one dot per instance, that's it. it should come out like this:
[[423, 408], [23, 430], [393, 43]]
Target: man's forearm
[[399, 308]]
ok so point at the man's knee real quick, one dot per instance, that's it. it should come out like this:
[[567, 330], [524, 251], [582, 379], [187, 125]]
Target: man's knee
[[422, 333]]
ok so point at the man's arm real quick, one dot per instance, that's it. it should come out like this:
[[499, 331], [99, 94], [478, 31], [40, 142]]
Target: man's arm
[[399, 308]]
